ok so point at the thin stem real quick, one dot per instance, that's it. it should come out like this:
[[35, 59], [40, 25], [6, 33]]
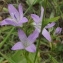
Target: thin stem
[[28, 9], [45, 6], [50, 43], [38, 43], [17, 1]]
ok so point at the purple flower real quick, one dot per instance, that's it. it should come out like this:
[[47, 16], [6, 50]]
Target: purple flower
[[58, 30], [38, 20], [17, 18], [46, 34], [26, 42]]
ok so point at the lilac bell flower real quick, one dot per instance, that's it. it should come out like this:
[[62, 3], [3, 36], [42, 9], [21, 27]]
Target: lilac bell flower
[[26, 42], [58, 30], [38, 20], [17, 18]]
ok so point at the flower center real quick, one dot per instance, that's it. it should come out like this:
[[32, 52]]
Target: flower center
[[15, 17], [26, 43]]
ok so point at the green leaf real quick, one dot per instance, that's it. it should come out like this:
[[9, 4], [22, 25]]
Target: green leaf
[[51, 20], [52, 15], [17, 56], [23, 61]]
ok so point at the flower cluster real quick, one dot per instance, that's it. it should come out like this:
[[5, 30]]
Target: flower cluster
[[17, 19]]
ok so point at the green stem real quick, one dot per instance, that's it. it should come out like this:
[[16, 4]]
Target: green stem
[[45, 6], [50, 43], [17, 1], [38, 43], [28, 9]]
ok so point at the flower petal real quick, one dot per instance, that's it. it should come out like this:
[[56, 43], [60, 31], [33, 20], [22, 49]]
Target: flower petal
[[22, 35], [18, 46], [42, 12], [32, 37], [35, 18], [20, 11], [46, 34], [4, 23], [31, 48], [11, 22], [13, 12], [50, 25], [8, 21], [58, 30], [14, 23], [23, 20]]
